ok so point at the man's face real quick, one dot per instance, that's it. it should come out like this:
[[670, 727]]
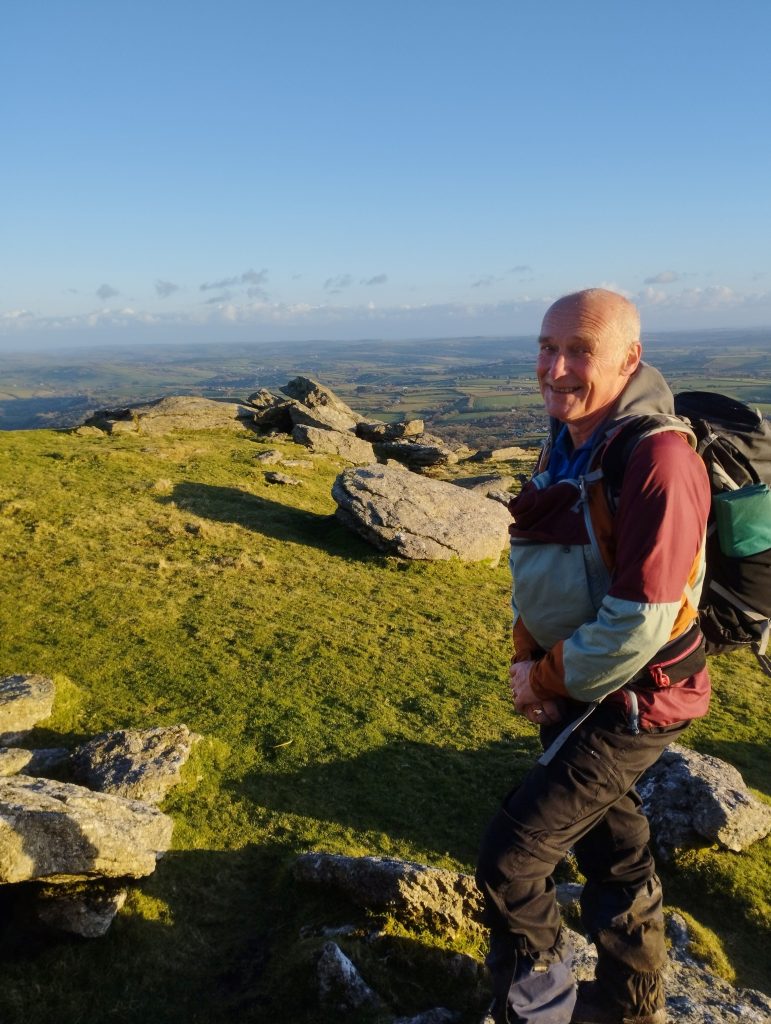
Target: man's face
[[583, 363]]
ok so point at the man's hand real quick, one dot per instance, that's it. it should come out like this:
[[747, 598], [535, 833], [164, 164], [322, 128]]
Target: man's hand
[[538, 711]]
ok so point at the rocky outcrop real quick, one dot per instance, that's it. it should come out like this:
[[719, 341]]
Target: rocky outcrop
[[178, 412], [415, 894], [692, 798], [382, 886], [74, 846], [24, 701], [53, 831], [139, 764], [419, 518], [322, 401], [335, 442], [270, 411]]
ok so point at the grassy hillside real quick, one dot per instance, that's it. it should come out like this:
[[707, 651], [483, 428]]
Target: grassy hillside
[[348, 701]]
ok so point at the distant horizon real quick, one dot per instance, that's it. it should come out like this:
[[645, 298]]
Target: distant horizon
[[122, 346]]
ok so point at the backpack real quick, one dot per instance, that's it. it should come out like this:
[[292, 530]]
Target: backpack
[[734, 442]]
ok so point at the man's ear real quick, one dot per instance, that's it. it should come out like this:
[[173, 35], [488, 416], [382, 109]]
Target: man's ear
[[632, 359]]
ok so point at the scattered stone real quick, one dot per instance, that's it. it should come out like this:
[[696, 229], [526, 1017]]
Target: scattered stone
[[53, 829], [335, 442], [282, 478], [419, 518], [377, 430], [177, 412], [691, 797], [24, 701], [139, 764], [413, 893], [298, 464], [86, 911], [340, 984], [502, 454], [272, 457], [13, 760]]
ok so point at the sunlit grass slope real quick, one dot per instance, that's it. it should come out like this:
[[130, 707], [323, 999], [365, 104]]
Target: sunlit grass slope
[[348, 701]]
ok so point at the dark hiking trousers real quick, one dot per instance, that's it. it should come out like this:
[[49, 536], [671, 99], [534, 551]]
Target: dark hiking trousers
[[584, 799]]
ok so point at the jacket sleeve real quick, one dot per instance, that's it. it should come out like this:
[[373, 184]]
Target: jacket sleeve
[[658, 530]]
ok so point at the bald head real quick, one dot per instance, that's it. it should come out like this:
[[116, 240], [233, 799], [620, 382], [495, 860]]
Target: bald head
[[616, 317]]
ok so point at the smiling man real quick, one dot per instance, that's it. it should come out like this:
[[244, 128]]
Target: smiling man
[[607, 560]]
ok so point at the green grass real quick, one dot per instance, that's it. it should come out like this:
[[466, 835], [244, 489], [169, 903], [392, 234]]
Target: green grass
[[348, 702]]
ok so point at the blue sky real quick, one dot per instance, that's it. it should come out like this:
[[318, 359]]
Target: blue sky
[[190, 171]]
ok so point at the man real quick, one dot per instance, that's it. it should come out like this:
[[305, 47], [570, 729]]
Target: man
[[607, 559]]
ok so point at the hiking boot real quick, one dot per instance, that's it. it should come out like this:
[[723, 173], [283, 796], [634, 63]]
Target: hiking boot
[[592, 1007]]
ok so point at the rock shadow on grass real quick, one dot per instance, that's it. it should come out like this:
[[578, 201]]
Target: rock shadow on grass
[[270, 518], [435, 798]]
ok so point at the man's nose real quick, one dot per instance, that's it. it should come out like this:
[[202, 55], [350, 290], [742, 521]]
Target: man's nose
[[558, 365]]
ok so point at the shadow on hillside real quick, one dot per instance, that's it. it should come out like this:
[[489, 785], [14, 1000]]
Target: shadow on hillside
[[271, 518], [192, 943], [435, 798]]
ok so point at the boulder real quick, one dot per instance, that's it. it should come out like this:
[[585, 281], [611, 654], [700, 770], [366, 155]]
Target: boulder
[[24, 701], [377, 430], [335, 442], [693, 799], [340, 984], [312, 395], [177, 412], [416, 454], [323, 417], [419, 518], [56, 831], [87, 911], [415, 894], [140, 764], [502, 454], [270, 411]]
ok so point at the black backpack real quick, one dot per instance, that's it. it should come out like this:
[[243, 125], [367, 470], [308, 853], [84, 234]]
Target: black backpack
[[735, 443]]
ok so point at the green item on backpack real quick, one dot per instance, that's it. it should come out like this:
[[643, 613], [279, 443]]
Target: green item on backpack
[[744, 520]]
